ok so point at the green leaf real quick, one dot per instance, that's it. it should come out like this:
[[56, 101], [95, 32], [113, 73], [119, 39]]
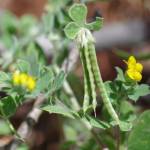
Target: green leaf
[[32, 58], [97, 123], [58, 109], [125, 126], [4, 77], [23, 147], [120, 74], [126, 108], [23, 66], [71, 30], [96, 25], [58, 82], [44, 81], [4, 128], [8, 106], [139, 138], [139, 90], [78, 13]]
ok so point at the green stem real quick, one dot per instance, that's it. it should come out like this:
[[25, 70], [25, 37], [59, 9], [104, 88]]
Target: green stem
[[100, 84]]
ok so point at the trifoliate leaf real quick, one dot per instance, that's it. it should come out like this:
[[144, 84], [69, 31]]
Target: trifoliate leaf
[[78, 13], [71, 30]]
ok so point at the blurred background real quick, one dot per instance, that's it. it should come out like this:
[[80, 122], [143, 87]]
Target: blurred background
[[48, 133]]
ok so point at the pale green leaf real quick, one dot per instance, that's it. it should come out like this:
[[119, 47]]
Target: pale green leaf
[[57, 109], [96, 25], [23, 66], [58, 82], [78, 13], [139, 138], [120, 74], [97, 123], [4, 77], [125, 126], [139, 90], [71, 30], [4, 128]]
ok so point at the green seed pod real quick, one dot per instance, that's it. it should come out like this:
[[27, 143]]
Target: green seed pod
[[91, 77], [87, 91], [100, 84]]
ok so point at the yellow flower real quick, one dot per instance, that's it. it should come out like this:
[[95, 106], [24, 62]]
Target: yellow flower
[[134, 75], [134, 69], [31, 83], [139, 67], [16, 78], [131, 60], [24, 80]]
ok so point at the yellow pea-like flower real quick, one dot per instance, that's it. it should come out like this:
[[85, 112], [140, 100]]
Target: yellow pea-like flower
[[31, 83], [134, 75], [137, 76], [23, 79], [139, 67], [134, 69], [131, 60], [16, 78]]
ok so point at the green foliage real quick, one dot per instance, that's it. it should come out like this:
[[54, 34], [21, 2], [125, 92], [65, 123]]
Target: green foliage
[[8, 106], [4, 128], [139, 138], [23, 66], [71, 30], [79, 21], [22, 51], [4, 77], [139, 90], [97, 123], [60, 108], [77, 9]]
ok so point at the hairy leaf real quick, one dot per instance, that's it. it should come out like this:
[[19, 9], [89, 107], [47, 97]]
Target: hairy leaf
[[57, 109], [78, 13], [71, 30], [140, 136], [139, 90], [96, 25]]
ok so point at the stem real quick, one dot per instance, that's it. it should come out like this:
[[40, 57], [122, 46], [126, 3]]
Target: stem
[[100, 84], [117, 138], [94, 134], [13, 129]]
